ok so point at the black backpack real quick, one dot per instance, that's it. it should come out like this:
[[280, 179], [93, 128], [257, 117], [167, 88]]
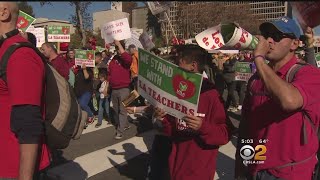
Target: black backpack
[[64, 119], [307, 119]]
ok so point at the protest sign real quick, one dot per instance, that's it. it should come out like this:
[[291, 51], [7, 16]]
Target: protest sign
[[307, 13], [157, 7], [85, 56], [243, 71], [316, 41], [210, 38], [133, 40], [58, 33], [116, 30], [39, 33], [24, 21], [146, 41], [318, 59], [167, 86]]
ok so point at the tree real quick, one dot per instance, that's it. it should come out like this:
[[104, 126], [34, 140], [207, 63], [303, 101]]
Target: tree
[[153, 24], [81, 18], [200, 16], [76, 42], [25, 7]]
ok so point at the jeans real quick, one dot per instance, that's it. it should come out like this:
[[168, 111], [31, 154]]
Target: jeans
[[84, 100], [242, 85], [263, 175], [231, 99], [104, 105], [120, 115]]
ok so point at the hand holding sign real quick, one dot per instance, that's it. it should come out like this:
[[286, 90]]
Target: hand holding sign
[[193, 122], [310, 37]]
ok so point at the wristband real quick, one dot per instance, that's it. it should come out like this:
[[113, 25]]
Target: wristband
[[264, 58]]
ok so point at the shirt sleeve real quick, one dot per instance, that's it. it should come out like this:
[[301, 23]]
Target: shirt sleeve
[[126, 59], [25, 77]]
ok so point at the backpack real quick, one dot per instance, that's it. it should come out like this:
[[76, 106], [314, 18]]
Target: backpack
[[64, 119], [307, 119]]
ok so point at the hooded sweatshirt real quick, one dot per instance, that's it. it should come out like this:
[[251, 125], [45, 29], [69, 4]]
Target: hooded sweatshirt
[[194, 153], [119, 71]]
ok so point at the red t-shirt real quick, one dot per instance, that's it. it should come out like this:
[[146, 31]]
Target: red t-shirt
[[62, 66], [264, 119], [25, 77]]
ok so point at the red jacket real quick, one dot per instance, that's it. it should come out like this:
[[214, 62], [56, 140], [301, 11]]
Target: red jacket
[[62, 66], [119, 71], [194, 154]]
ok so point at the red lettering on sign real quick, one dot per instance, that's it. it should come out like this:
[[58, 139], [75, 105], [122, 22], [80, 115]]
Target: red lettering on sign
[[205, 40]]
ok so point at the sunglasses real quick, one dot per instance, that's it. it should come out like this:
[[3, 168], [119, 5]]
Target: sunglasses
[[277, 37]]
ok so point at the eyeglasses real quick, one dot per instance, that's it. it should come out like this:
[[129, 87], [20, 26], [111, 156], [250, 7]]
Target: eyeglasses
[[277, 37]]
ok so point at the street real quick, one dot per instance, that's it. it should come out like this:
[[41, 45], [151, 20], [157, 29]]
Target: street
[[98, 156]]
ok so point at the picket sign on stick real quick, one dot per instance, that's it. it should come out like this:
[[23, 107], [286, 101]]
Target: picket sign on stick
[[116, 30]]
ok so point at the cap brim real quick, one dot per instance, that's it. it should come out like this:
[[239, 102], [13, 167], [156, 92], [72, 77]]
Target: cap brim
[[268, 26]]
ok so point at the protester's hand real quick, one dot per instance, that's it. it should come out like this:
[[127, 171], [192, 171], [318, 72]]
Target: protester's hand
[[83, 66], [262, 48], [310, 37], [130, 110], [117, 43], [159, 113], [193, 122]]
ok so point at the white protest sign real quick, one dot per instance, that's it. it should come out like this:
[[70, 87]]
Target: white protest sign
[[146, 41], [157, 7], [39, 33], [116, 30], [210, 38], [133, 40], [316, 41]]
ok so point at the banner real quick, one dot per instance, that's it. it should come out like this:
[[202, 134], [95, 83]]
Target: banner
[[318, 59], [146, 41], [157, 7], [133, 40], [39, 33], [307, 13], [243, 71], [226, 36], [116, 30], [24, 21], [85, 56], [58, 33], [167, 86]]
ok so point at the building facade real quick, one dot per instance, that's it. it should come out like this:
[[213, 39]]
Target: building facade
[[267, 10], [44, 22], [139, 18], [101, 17]]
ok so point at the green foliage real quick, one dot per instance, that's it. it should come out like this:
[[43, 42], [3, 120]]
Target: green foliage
[[153, 24], [25, 7]]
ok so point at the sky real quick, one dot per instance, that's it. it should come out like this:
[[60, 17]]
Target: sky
[[62, 10]]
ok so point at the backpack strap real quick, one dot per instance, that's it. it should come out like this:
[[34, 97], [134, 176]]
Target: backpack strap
[[6, 56]]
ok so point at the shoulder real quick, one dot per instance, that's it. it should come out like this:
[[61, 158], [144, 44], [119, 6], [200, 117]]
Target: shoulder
[[308, 71], [208, 90]]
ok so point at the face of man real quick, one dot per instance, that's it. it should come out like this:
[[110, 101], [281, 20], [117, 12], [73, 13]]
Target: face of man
[[46, 51], [280, 44], [191, 67], [104, 55], [131, 50], [98, 59], [71, 54]]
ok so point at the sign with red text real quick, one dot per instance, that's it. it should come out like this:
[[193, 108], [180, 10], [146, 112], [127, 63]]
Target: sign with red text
[[243, 71], [85, 56], [116, 30], [165, 85], [24, 21], [307, 13], [39, 33], [210, 38], [58, 33]]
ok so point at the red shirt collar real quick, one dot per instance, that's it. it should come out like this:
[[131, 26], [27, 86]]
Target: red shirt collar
[[285, 68]]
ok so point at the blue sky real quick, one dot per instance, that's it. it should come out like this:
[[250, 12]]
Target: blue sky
[[62, 10]]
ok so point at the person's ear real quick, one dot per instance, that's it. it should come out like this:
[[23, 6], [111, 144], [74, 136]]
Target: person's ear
[[294, 45]]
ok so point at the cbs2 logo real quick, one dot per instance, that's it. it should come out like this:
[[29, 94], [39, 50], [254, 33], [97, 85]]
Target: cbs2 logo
[[247, 152]]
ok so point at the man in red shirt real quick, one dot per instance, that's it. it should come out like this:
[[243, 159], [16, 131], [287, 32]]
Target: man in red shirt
[[22, 149], [56, 60], [195, 139], [275, 111]]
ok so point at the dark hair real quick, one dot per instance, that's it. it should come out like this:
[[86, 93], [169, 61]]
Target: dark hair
[[32, 38], [51, 45], [67, 58], [131, 46], [103, 73], [191, 52], [99, 54]]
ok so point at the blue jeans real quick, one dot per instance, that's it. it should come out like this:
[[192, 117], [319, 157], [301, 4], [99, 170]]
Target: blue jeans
[[84, 100], [104, 104]]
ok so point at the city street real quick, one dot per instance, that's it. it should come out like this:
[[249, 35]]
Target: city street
[[98, 156]]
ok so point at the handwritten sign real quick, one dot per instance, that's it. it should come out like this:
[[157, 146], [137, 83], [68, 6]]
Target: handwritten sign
[[58, 33], [307, 13], [24, 21], [167, 86], [116, 30], [146, 41], [210, 38], [85, 56], [243, 71], [39, 33]]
